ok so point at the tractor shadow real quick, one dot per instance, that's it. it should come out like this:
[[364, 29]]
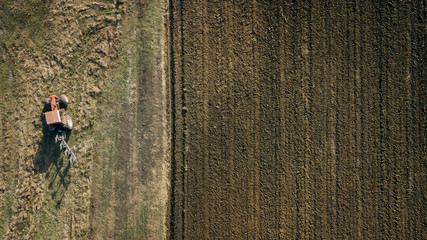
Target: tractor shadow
[[51, 161]]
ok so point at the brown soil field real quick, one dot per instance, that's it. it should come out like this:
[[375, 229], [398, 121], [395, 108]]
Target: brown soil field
[[294, 120]]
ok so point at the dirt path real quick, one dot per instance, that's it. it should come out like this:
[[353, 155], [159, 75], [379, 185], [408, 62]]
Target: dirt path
[[297, 120]]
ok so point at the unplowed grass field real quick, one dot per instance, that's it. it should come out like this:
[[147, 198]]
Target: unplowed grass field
[[298, 120]]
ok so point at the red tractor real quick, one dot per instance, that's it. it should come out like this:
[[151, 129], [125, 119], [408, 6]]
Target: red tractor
[[55, 115], [59, 123]]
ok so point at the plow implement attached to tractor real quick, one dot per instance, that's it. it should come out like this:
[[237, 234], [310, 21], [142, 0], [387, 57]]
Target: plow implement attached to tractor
[[69, 152], [59, 123]]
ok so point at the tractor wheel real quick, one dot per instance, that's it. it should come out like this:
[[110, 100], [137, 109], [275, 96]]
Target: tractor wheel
[[68, 123], [46, 103], [63, 101], [63, 98]]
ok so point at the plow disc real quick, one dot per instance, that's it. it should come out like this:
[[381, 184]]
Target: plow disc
[[63, 146]]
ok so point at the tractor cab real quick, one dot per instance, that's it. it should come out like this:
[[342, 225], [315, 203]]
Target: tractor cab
[[55, 114]]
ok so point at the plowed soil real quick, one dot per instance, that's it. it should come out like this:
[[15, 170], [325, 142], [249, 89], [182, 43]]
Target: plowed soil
[[298, 120]]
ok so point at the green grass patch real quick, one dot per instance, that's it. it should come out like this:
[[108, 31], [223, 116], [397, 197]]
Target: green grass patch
[[4, 77], [22, 19], [142, 31]]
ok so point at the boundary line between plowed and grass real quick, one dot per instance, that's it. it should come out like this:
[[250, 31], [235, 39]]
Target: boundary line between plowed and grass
[[172, 121]]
